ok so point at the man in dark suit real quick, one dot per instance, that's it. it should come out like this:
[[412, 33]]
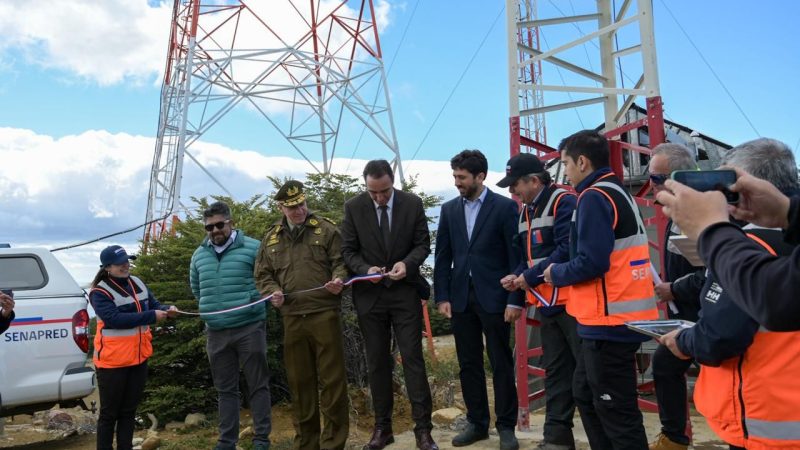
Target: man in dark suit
[[385, 231], [474, 251]]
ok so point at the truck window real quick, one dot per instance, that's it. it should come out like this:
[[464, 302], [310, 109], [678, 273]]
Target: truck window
[[22, 272]]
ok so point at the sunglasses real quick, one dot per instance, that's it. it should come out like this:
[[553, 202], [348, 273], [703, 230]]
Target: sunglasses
[[219, 225], [658, 180]]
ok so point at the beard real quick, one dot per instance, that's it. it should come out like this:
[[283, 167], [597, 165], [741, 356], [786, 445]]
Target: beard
[[470, 191]]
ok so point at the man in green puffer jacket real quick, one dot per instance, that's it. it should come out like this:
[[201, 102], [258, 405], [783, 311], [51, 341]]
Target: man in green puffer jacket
[[221, 276]]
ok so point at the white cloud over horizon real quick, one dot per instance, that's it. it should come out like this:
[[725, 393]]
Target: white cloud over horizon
[[59, 191]]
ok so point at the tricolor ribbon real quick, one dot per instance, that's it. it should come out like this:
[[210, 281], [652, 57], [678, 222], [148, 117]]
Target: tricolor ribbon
[[369, 277], [539, 297]]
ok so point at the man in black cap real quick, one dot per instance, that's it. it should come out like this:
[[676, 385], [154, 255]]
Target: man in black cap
[[301, 252], [544, 225]]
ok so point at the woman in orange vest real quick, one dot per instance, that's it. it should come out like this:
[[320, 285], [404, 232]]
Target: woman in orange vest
[[746, 386], [125, 309]]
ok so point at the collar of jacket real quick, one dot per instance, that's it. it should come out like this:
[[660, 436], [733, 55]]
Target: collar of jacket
[[590, 180], [237, 242]]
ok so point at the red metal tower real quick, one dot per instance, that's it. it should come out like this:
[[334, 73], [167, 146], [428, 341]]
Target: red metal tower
[[585, 87], [306, 67]]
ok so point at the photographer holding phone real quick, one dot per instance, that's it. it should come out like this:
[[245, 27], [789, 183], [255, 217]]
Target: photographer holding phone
[[764, 285], [745, 385], [7, 305]]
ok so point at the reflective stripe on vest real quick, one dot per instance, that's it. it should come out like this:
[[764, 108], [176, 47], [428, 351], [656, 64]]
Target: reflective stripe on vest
[[630, 306], [122, 347], [750, 400], [124, 331], [768, 429], [625, 292], [118, 299], [544, 294]]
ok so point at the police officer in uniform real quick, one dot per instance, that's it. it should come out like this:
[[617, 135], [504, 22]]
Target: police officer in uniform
[[301, 252]]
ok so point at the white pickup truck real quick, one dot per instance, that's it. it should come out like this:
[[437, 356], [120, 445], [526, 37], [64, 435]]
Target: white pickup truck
[[43, 355]]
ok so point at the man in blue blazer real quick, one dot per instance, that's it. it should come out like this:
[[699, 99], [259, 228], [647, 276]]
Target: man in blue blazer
[[474, 251]]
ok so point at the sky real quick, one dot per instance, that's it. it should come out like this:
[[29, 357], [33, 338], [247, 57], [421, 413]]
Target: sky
[[80, 84]]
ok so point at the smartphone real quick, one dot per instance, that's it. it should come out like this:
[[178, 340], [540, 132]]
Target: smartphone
[[709, 180], [8, 292]]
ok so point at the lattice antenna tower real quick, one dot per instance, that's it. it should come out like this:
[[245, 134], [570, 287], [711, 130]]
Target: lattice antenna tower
[[308, 70], [530, 97], [532, 126]]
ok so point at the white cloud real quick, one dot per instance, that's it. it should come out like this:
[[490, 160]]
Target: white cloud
[[105, 41], [56, 192], [114, 41]]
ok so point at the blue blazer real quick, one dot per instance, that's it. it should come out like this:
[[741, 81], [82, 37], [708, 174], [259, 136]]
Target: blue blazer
[[489, 255]]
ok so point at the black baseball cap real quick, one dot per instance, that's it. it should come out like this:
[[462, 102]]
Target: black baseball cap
[[519, 166]]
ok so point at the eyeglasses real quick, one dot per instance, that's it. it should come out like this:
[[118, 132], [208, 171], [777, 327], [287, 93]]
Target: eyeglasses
[[659, 179], [220, 225]]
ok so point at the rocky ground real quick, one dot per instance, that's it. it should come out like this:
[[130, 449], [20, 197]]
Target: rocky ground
[[74, 429]]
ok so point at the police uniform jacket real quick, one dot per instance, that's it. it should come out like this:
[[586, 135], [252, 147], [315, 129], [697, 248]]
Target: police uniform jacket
[[306, 261]]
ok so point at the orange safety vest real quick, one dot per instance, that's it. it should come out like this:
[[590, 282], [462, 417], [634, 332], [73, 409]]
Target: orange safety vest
[[624, 293], [125, 347], [541, 227], [751, 400]]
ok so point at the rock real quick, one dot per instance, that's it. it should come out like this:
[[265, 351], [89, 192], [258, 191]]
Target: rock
[[174, 426], [446, 416], [246, 434], [195, 419], [137, 441], [58, 420], [68, 433], [151, 443]]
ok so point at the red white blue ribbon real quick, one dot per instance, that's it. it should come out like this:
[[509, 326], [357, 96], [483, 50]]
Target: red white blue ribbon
[[369, 277], [540, 298]]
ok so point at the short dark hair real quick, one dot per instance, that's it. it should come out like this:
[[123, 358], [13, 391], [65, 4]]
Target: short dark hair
[[377, 168], [217, 208], [472, 161], [587, 143]]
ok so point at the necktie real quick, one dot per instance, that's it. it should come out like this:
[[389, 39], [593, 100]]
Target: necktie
[[385, 232]]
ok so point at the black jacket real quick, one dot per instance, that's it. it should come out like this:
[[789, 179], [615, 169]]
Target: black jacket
[[5, 322], [766, 287], [724, 330]]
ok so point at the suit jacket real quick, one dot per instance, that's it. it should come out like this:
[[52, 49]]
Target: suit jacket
[[489, 255], [362, 246]]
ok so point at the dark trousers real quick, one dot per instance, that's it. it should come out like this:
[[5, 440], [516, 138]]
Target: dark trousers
[[120, 392], [314, 356], [228, 350], [605, 392], [669, 375], [469, 328], [562, 349], [402, 312]]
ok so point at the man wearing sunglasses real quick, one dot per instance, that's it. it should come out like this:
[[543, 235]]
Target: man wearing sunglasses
[[682, 287], [221, 277]]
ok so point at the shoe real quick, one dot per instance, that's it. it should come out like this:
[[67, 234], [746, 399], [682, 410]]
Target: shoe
[[469, 435], [261, 446], [508, 441], [425, 441], [380, 438], [662, 442], [544, 445]]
